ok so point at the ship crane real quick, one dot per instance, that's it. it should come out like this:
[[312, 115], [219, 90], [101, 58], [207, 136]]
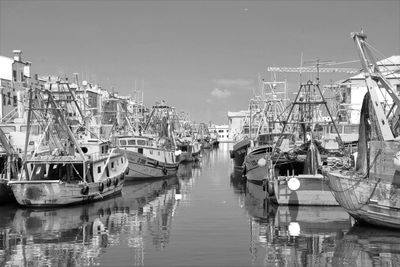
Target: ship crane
[[313, 69]]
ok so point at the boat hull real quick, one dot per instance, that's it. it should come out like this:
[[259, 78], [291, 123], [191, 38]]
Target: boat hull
[[142, 167], [239, 152], [47, 193], [313, 191], [6, 194], [368, 201]]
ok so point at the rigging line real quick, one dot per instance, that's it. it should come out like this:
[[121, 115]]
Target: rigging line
[[383, 56]]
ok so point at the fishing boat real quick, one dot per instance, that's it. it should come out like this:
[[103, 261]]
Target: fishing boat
[[294, 174], [370, 190], [266, 113], [77, 170], [151, 156], [190, 149]]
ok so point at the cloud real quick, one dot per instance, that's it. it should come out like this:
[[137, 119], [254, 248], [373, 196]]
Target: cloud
[[220, 93], [234, 82]]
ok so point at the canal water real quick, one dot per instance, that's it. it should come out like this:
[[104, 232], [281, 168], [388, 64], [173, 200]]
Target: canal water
[[206, 216]]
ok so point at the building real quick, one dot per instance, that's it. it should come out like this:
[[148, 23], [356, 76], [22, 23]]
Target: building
[[354, 88], [222, 131], [236, 123], [14, 79]]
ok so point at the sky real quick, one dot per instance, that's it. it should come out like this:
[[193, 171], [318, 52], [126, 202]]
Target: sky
[[202, 57]]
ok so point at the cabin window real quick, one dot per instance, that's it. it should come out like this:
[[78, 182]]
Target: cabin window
[[131, 142], [353, 129], [99, 169], [141, 142], [122, 142]]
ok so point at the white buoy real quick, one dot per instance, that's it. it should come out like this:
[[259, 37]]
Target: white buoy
[[293, 184], [262, 162], [294, 229]]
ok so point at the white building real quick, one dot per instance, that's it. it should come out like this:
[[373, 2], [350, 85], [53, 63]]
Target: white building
[[236, 123], [222, 131], [389, 67]]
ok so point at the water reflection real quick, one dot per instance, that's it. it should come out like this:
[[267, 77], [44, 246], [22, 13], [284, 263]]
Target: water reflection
[[292, 235], [238, 182], [78, 235], [368, 246]]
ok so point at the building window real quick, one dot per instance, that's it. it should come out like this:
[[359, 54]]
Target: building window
[[9, 98], [14, 75], [15, 100], [99, 169]]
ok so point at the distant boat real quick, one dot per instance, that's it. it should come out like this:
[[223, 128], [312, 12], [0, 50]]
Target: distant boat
[[190, 149], [76, 171], [151, 154], [370, 191]]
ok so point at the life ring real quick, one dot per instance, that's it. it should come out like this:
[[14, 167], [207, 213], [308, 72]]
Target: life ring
[[108, 182], [85, 190], [116, 181], [101, 187]]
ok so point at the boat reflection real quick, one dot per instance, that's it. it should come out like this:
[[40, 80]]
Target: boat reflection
[[368, 246], [78, 235], [185, 170], [238, 182], [292, 235]]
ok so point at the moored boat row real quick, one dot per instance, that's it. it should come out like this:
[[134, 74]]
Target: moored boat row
[[305, 165]]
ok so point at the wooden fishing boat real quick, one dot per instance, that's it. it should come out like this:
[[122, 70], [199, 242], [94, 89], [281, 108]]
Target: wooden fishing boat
[[147, 158], [370, 191], [293, 175], [190, 149], [152, 154], [75, 171]]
